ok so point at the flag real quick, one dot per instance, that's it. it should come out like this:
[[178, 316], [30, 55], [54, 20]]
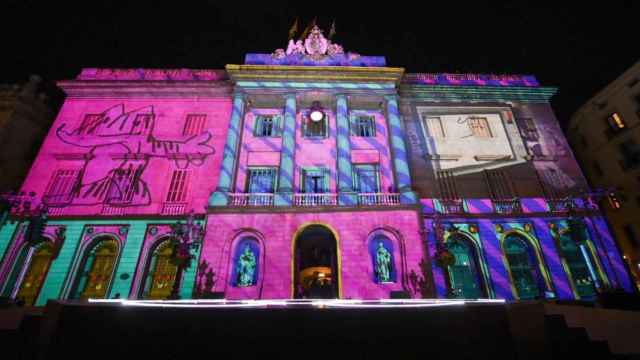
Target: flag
[[308, 28], [333, 29], [294, 29]]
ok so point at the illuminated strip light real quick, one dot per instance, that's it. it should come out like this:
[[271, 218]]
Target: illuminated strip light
[[319, 303]]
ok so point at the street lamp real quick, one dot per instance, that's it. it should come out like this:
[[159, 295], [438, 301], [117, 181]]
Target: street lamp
[[185, 236]]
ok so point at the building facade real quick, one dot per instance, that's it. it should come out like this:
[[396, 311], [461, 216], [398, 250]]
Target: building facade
[[605, 136], [313, 173]]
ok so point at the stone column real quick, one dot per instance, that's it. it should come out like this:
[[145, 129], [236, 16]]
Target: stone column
[[225, 182], [346, 195], [284, 195], [399, 152]]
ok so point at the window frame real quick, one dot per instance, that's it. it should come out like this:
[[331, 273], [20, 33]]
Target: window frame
[[326, 179], [359, 127], [261, 168], [306, 120], [258, 125], [356, 177]]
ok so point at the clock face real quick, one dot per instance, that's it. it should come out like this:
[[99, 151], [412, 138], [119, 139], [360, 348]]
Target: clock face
[[316, 115]]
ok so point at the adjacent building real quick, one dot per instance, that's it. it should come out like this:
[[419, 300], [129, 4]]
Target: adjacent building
[[605, 135], [313, 172]]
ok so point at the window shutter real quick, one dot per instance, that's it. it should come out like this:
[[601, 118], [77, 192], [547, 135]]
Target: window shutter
[[257, 131], [353, 125], [326, 176], [277, 125]]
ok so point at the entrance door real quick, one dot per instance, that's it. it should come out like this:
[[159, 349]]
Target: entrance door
[[316, 264], [464, 273], [523, 263]]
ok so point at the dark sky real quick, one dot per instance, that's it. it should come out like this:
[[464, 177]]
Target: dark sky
[[577, 49]]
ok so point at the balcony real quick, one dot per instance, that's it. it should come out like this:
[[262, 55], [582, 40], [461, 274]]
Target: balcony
[[451, 206], [305, 200], [507, 206], [378, 199], [250, 199], [560, 205], [173, 208]]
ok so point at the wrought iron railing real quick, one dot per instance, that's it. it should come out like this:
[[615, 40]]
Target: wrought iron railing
[[507, 206], [174, 208], [451, 206], [561, 204]]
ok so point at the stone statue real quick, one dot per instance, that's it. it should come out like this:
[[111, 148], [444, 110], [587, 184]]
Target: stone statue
[[383, 263], [246, 267]]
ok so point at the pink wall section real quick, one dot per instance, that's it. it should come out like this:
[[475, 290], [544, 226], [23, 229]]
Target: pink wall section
[[370, 149], [120, 140], [275, 233]]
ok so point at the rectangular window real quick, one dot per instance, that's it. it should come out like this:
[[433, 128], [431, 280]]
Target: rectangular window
[[194, 124], [61, 187], [267, 125], [261, 180], [122, 187], [447, 186], [435, 127], [366, 178], [363, 125], [630, 152], [553, 184], [615, 122], [315, 129], [479, 127], [529, 130], [598, 168], [89, 124], [178, 186], [315, 181], [500, 184]]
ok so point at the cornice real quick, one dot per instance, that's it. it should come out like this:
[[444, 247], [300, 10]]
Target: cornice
[[146, 89]]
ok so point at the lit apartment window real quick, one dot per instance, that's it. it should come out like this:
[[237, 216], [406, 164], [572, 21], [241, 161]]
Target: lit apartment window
[[267, 125], [61, 187], [479, 127], [194, 124], [615, 122], [614, 200], [178, 186], [435, 127], [364, 126]]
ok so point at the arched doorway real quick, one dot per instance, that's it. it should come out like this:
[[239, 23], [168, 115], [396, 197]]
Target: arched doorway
[[465, 274], [96, 270], [582, 272], [524, 267], [316, 271], [36, 273], [160, 274]]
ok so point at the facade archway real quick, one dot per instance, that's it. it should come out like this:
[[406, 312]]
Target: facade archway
[[160, 273], [95, 273], [316, 263], [466, 274], [29, 272], [529, 278]]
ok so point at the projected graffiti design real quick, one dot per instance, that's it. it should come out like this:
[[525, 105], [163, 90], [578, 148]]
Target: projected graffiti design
[[119, 147]]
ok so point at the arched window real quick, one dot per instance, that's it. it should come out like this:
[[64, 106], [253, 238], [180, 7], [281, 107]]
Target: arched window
[[465, 273], [524, 267], [246, 263], [160, 272], [30, 269], [582, 271], [382, 258], [96, 270]]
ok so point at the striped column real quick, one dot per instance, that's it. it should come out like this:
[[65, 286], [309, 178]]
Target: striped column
[[284, 196], [129, 259], [399, 152], [346, 195], [225, 181]]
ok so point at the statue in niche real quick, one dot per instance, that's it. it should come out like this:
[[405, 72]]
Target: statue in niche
[[383, 263], [246, 267]]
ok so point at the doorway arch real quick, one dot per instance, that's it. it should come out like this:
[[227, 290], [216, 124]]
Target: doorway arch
[[316, 264], [527, 272], [466, 274], [160, 272]]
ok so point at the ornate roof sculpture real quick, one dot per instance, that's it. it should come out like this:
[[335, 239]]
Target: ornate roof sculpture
[[315, 50]]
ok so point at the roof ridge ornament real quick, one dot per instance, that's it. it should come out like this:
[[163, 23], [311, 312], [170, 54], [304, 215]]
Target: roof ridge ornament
[[315, 47]]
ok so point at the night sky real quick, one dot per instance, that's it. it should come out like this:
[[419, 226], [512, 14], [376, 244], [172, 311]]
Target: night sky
[[578, 50]]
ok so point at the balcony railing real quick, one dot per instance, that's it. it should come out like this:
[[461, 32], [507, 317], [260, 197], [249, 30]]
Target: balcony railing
[[507, 206], [369, 199], [57, 200], [251, 199], [172, 208], [112, 210], [560, 205], [315, 199], [451, 206]]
